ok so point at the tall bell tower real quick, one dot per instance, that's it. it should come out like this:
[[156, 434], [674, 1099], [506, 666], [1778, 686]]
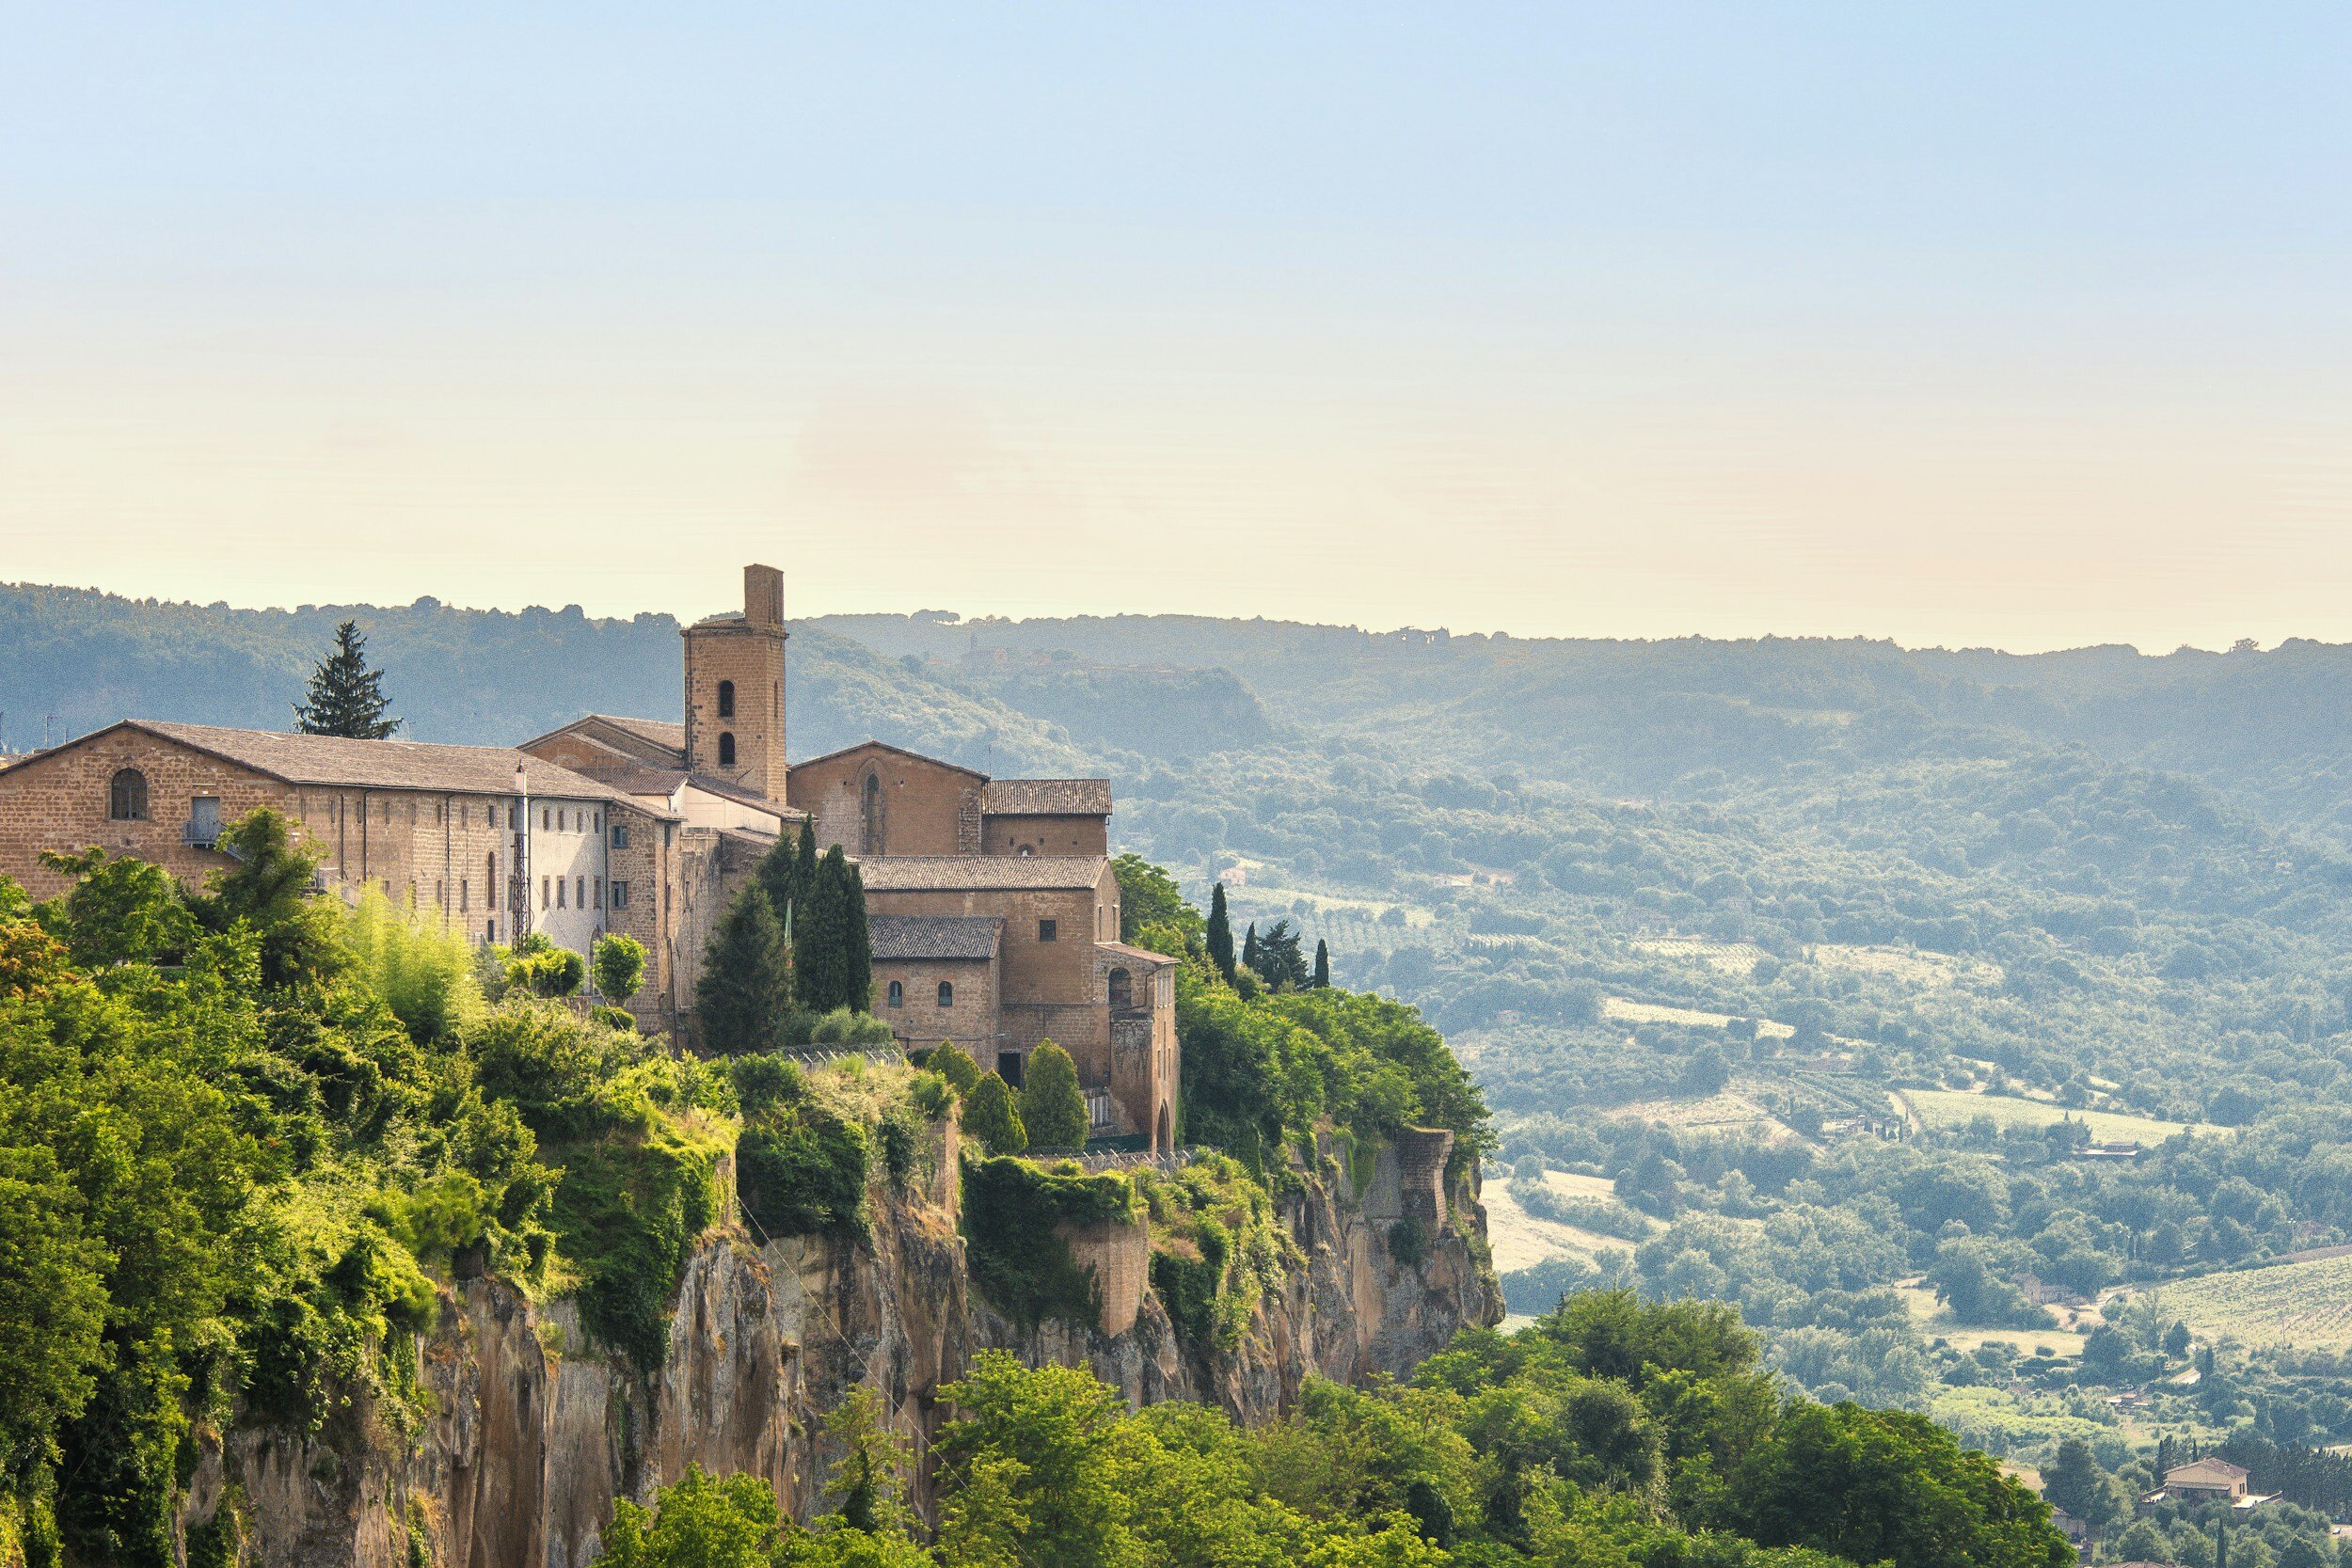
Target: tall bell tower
[[735, 690]]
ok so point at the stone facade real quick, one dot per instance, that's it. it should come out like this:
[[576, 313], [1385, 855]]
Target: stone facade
[[875, 799]]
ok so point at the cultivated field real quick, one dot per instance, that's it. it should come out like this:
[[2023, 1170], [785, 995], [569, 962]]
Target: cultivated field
[[2307, 1305], [1522, 1241], [1943, 1108], [1627, 1011]]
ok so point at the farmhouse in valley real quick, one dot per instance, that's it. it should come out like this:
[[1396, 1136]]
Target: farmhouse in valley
[[993, 909]]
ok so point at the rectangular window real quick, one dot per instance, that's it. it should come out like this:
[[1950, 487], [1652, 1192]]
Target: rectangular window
[[559, 896], [580, 892], [1047, 931], [544, 815], [514, 816], [542, 893], [620, 895], [441, 813], [490, 884], [463, 887], [441, 894], [490, 931], [599, 822], [620, 835], [599, 892]]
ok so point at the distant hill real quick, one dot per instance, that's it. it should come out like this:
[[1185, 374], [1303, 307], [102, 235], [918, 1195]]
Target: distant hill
[[2147, 854]]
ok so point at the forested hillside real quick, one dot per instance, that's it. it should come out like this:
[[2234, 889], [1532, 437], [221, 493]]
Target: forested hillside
[[1802, 973]]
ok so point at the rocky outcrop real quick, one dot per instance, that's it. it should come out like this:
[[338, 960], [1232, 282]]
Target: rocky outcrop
[[532, 1430]]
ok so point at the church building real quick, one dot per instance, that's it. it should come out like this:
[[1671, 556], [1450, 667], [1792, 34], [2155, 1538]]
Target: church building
[[993, 909]]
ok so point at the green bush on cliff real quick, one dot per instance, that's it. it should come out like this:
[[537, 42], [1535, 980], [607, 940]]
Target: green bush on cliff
[[1216, 1247], [1011, 1209]]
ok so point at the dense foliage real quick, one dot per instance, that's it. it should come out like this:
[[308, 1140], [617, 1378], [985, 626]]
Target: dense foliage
[[1610, 1435]]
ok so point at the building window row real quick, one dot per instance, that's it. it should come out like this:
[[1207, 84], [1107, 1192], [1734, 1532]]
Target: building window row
[[897, 994]]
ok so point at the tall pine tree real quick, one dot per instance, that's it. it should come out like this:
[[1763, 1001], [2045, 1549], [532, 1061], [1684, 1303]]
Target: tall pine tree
[[1221, 935], [1249, 948], [747, 981], [345, 697], [1323, 965]]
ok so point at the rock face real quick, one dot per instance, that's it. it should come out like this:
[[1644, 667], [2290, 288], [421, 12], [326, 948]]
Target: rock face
[[534, 1431]]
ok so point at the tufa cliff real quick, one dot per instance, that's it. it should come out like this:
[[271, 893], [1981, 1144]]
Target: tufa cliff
[[529, 1429]]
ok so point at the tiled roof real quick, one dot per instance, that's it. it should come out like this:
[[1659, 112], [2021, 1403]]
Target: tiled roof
[[1142, 956], [651, 741], [1047, 797], [333, 760], [658, 732], [934, 936], [980, 873]]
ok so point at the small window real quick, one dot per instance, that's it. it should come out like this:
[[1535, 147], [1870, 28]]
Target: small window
[[726, 750], [620, 895], [515, 815], [490, 881], [898, 995], [726, 699], [546, 817], [440, 893], [464, 889], [620, 835], [946, 993], [126, 798], [580, 892], [599, 892], [1048, 931], [559, 896], [491, 930], [440, 811], [543, 892], [1122, 988], [599, 822]]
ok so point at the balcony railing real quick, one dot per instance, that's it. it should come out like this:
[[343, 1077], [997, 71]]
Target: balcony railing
[[199, 834]]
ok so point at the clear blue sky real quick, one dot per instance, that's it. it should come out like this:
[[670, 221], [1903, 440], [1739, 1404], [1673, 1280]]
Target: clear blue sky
[[1985, 324]]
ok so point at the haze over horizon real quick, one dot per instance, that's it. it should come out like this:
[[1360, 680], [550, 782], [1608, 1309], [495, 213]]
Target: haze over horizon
[[2005, 327]]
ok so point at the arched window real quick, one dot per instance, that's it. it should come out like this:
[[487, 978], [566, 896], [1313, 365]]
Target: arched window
[[870, 819], [946, 993], [726, 750], [898, 995], [726, 699], [126, 798], [1122, 988]]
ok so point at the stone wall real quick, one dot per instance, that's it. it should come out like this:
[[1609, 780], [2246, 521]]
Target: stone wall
[[921, 803], [1046, 836], [920, 1022]]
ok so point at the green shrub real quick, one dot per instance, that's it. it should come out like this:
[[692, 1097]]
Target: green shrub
[[802, 1170], [990, 1117], [613, 1018], [950, 1062], [845, 1028], [620, 966], [1010, 1208], [628, 1214], [1053, 1106], [931, 1096]]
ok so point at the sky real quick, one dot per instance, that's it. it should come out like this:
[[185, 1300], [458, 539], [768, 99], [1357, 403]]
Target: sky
[[1999, 325]]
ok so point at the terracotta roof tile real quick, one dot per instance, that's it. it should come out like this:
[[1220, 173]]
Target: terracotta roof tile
[[1047, 797], [934, 936], [984, 873]]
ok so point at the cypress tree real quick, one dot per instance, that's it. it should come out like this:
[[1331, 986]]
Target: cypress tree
[[990, 1115], [858, 959], [345, 697], [1323, 965], [1053, 1106], [1250, 950], [1221, 935], [787, 870], [805, 860], [746, 982], [832, 948]]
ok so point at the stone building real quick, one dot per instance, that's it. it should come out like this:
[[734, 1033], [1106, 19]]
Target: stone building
[[491, 840], [995, 910]]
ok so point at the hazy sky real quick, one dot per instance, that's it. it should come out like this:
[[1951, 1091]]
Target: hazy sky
[[2023, 324]]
